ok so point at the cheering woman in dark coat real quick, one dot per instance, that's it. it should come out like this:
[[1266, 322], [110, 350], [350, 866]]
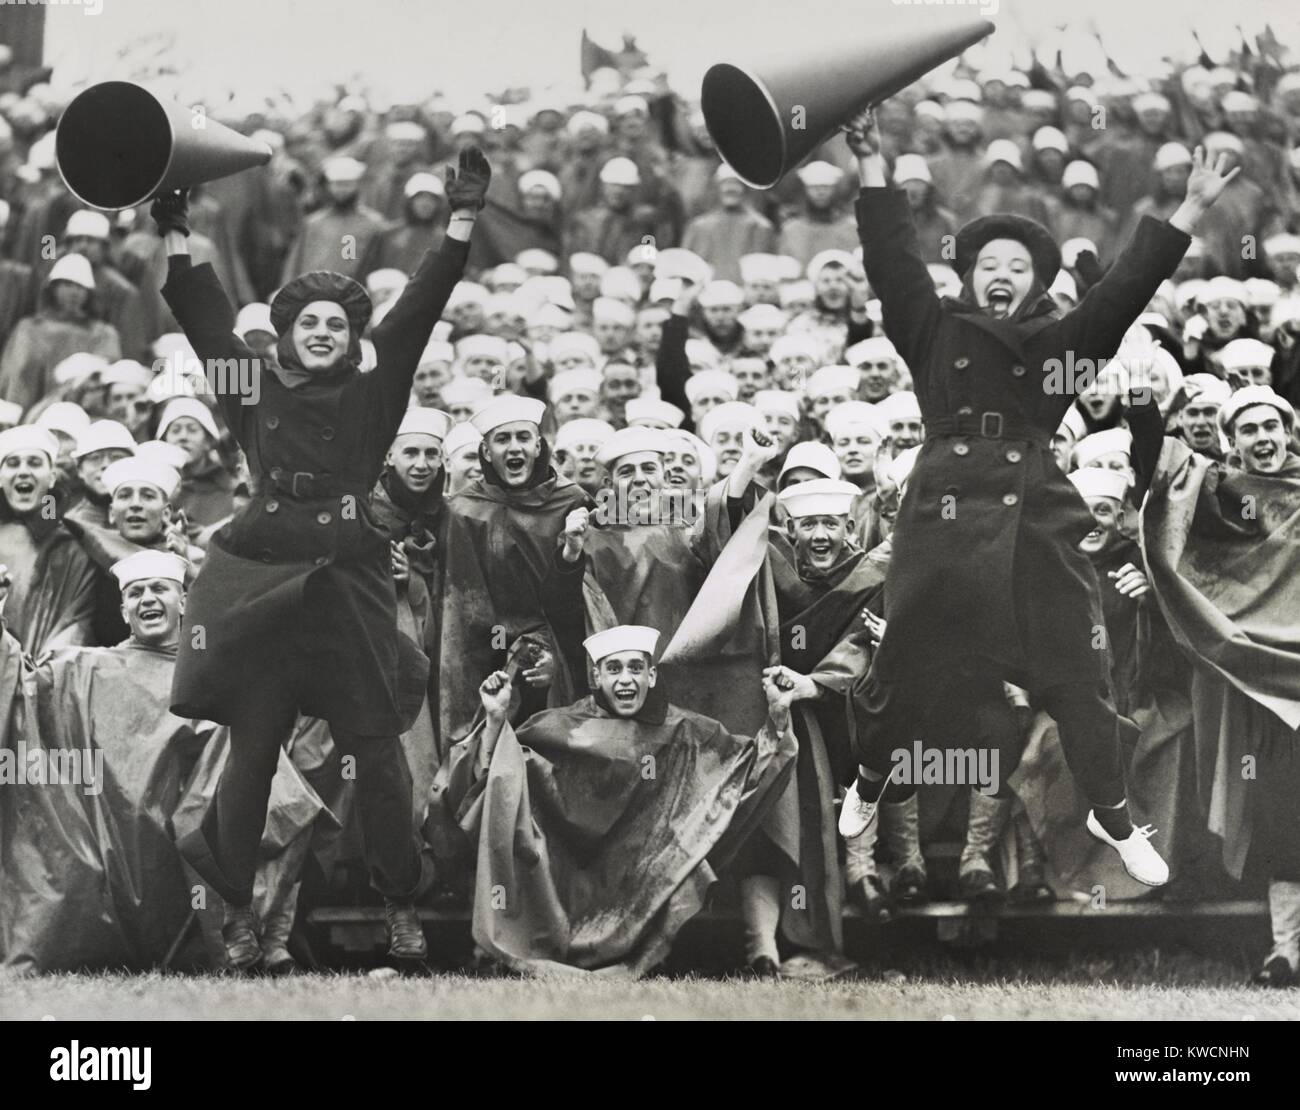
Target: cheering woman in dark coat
[[986, 578], [295, 611]]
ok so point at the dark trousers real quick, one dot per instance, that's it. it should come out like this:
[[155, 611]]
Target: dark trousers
[[223, 850], [888, 716]]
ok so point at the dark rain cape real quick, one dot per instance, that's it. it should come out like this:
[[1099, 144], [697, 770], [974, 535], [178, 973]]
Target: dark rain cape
[[758, 609], [52, 601], [1224, 561], [1150, 679], [595, 838], [94, 880], [499, 551]]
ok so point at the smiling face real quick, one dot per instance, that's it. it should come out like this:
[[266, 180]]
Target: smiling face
[[819, 540], [140, 512], [513, 449], [1259, 436], [463, 467], [782, 427], [152, 609], [682, 466], [321, 334], [90, 468], [625, 678], [25, 479], [1002, 276], [416, 459], [728, 443], [120, 404], [575, 403], [1106, 513], [751, 375], [832, 287], [428, 382], [1226, 316], [188, 434], [906, 432], [856, 450], [577, 462], [621, 384], [878, 377], [1200, 423], [638, 475]]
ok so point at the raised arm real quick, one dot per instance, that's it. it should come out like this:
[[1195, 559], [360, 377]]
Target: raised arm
[[403, 334], [891, 254], [200, 305], [672, 368]]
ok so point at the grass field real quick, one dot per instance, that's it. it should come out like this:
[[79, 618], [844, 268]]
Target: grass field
[[1143, 986]]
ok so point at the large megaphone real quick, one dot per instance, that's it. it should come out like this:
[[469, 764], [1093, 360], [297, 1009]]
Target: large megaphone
[[118, 144], [767, 116]]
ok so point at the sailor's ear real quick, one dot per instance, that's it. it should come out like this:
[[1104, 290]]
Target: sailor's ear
[[850, 527], [652, 676], [789, 528]]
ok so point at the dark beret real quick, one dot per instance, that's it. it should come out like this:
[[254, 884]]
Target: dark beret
[[1043, 251], [320, 285]]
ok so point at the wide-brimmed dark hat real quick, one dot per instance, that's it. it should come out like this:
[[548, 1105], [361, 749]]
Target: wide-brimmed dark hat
[[321, 285], [1043, 251]]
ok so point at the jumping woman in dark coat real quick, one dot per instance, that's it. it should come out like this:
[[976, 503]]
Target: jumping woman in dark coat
[[986, 577], [295, 611]]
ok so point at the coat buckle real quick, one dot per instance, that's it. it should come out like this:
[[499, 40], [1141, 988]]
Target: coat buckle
[[294, 484], [985, 420]]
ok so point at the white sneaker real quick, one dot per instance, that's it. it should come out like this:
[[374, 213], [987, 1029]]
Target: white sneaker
[[1140, 859], [856, 815]]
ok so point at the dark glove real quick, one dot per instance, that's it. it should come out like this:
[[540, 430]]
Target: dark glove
[[467, 187], [1088, 268], [171, 212]]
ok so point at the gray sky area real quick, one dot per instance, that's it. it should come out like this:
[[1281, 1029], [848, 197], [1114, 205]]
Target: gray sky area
[[405, 48]]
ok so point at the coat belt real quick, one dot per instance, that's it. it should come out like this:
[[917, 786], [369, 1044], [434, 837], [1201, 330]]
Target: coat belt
[[988, 425], [307, 486]]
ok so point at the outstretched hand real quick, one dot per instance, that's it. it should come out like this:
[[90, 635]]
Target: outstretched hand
[[862, 133], [1207, 180], [494, 693], [467, 185], [171, 212]]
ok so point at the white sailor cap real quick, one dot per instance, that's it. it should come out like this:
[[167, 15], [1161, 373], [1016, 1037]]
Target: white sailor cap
[[1072, 425], [700, 352], [792, 346], [1207, 388], [581, 379], [820, 173], [729, 413], [612, 311], [831, 379], [1089, 449], [620, 171], [820, 497], [78, 367], [169, 454], [651, 412], [718, 293], [630, 441], [480, 345], [762, 316], [1099, 481], [254, 317], [461, 436], [911, 167], [437, 350], [147, 470], [88, 224], [509, 408], [624, 637], [573, 343], [869, 350], [586, 429], [465, 391], [103, 435], [65, 417], [831, 257], [1243, 353], [182, 407], [813, 456], [10, 413], [760, 266], [711, 383], [797, 291], [149, 564], [1255, 395], [901, 467], [849, 417], [779, 401], [902, 405], [27, 437], [423, 421]]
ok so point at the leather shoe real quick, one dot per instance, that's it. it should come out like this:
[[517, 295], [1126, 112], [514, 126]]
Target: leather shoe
[[1276, 972], [239, 934], [869, 896], [405, 933]]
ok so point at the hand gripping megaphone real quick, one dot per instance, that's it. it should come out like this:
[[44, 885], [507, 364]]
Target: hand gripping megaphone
[[766, 116], [118, 144]]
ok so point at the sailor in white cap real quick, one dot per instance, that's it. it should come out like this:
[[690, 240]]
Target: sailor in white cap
[[415, 458], [795, 357], [207, 487], [611, 324], [344, 218], [648, 333], [856, 430], [762, 325], [752, 373], [901, 413], [879, 366], [725, 428], [140, 494], [1112, 449], [706, 390], [433, 373], [481, 356], [460, 456], [651, 413], [782, 415], [807, 462], [760, 277], [1247, 362], [574, 394], [10, 414], [607, 739], [51, 603], [463, 397], [573, 349], [831, 386], [577, 443], [821, 226], [1198, 419], [1259, 425], [103, 442]]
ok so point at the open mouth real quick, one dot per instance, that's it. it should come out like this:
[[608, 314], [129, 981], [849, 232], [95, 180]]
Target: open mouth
[[1264, 453], [134, 518], [151, 616], [24, 487], [730, 456], [1094, 536], [515, 464], [819, 550], [625, 697], [675, 478]]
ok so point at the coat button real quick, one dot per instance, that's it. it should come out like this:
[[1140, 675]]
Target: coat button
[[266, 555], [1018, 371], [962, 363], [961, 449], [276, 473], [1013, 456], [273, 506], [327, 432], [1009, 499], [321, 560], [272, 422], [965, 410], [323, 518]]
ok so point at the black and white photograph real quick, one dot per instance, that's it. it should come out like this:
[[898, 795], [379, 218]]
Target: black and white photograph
[[651, 510]]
